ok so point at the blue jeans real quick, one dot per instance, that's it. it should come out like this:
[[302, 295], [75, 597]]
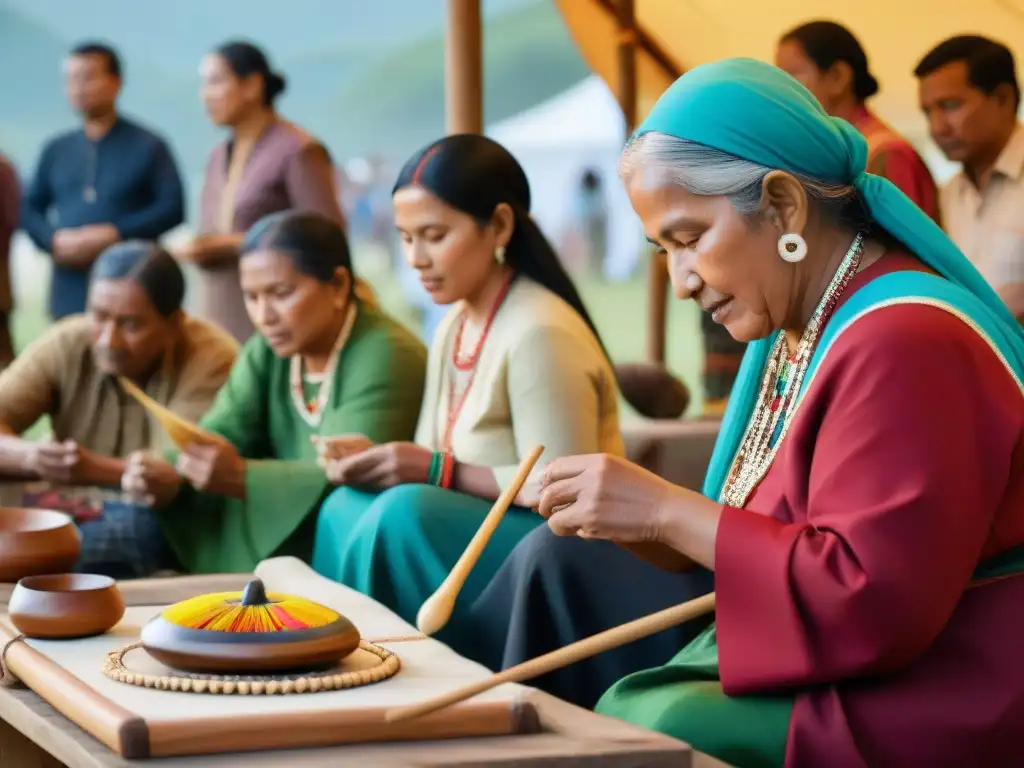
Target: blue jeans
[[125, 543]]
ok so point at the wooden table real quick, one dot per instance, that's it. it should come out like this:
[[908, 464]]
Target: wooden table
[[34, 735]]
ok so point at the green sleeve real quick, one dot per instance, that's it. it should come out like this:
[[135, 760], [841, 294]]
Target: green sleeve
[[381, 388], [212, 533], [239, 410]]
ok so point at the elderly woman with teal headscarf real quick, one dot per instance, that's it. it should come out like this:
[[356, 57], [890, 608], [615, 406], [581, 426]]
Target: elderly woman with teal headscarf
[[863, 513]]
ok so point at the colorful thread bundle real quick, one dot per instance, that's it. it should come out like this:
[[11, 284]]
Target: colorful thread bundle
[[251, 611], [182, 432]]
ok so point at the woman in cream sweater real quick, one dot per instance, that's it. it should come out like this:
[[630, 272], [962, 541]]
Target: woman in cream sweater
[[517, 362]]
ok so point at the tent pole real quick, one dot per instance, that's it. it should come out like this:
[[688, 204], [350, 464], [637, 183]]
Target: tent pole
[[657, 269], [625, 12], [463, 54]]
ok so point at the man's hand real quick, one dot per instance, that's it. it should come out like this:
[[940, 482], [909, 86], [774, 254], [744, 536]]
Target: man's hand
[[79, 246], [150, 480], [66, 246], [67, 462]]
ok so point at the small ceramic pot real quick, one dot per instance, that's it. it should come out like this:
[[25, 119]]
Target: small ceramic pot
[[36, 541], [65, 605]]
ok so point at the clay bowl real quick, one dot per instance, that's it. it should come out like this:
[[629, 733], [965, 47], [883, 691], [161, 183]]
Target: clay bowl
[[65, 605], [36, 541]]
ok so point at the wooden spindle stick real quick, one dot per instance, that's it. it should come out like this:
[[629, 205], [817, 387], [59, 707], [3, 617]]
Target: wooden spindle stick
[[437, 609], [182, 432], [563, 657]]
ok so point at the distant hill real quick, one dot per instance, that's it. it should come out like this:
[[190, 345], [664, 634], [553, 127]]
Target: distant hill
[[30, 54], [168, 34], [367, 79], [399, 104]]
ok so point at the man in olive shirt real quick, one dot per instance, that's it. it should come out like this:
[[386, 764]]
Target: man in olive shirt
[[134, 327]]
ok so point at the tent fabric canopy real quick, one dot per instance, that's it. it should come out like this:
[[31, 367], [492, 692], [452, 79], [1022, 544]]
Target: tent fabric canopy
[[895, 34]]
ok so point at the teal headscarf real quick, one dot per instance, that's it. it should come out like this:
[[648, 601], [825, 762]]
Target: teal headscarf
[[754, 111]]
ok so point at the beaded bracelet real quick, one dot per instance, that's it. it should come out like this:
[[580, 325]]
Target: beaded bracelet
[[442, 469], [447, 470], [434, 473]]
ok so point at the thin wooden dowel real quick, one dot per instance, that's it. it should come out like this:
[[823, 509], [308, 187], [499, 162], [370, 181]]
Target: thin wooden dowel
[[437, 609], [563, 657]]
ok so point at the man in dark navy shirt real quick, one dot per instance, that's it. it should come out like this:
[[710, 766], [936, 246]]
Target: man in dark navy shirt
[[107, 181]]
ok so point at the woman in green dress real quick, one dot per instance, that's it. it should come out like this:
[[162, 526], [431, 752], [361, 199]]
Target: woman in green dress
[[516, 363], [325, 361]]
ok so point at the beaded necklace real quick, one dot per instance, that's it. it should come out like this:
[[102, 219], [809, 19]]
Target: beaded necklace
[[780, 388], [312, 409], [468, 364]]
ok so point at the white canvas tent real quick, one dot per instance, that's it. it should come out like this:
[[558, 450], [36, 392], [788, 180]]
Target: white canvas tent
[[556, 141]]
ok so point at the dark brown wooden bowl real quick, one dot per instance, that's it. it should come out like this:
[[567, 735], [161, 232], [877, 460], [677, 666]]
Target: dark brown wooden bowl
[[65, 605], [199, 650], [36, 541]]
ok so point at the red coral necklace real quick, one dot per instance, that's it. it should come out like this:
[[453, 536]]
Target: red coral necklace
[[468, 364]]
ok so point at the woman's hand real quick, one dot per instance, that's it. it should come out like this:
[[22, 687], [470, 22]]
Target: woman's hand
[[382, 466], [150, 480], [330, 449], [603, 497], [215, 468], [209, 250], [607, 497]]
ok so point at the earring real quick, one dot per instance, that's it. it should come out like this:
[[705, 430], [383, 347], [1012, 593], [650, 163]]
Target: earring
[[499, 254], [792, 247]]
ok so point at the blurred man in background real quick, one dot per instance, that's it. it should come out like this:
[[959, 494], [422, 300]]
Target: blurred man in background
[[106, 181], [968, 90]]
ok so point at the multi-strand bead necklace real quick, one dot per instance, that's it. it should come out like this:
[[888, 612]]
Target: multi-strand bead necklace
[[780, 388]]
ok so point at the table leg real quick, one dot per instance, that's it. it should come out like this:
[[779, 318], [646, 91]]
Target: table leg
[[18, 750]]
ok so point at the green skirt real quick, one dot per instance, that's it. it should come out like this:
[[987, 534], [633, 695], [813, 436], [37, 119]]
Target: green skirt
[[684, 699], [397, 546]]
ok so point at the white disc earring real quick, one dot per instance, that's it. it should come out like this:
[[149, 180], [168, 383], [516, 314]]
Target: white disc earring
[[499, 254], [792, 247]]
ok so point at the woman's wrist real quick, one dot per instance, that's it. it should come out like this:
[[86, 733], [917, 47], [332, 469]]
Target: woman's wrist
[[441, 471], [687, 522], [238, 483]]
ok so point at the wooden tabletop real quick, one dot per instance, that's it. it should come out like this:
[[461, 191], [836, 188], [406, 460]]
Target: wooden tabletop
[[34, 735], [590, 740]]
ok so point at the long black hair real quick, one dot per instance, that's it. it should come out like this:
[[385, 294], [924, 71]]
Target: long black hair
[[246, 59], [825, 43], [474, 174], [315, 243]]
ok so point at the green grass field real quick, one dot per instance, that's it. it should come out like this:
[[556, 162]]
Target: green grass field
[[619, 310]]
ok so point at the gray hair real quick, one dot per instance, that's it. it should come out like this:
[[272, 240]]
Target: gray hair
[[709, 172]]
